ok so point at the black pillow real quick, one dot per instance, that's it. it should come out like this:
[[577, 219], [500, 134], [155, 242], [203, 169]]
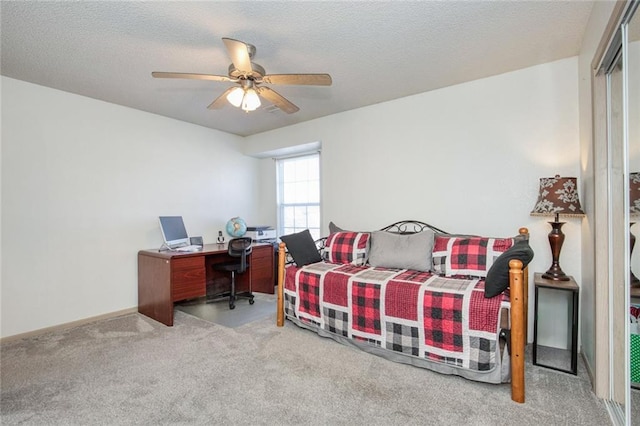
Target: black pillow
[[497, 279], [302, 248]]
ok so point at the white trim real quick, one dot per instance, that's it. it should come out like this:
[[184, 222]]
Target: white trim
[[279, 191], [68, 325], [290, 151]]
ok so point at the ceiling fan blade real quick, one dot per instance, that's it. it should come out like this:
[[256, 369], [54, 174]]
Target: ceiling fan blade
[[191, 76], [221, 100], [298, 79], [277, 99], [239, 54]]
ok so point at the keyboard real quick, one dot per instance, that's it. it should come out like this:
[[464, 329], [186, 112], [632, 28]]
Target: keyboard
[[188, 248]]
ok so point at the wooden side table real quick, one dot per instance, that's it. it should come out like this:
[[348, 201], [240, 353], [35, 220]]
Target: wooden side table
[[571, 286]]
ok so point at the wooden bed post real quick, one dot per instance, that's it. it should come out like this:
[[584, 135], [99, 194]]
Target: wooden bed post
[[525, 232], [280, 306], [518, 331]]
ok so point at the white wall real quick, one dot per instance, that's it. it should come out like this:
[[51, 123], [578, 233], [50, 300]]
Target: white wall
[[83, 184], [80, 172], [466, 158]]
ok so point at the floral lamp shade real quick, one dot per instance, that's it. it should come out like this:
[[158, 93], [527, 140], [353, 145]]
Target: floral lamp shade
[[558, 195], [634, 193]]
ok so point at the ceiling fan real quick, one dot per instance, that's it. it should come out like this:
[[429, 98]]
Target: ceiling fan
[[251, 78]]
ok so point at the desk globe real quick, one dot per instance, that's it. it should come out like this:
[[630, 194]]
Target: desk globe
[[236, 227]]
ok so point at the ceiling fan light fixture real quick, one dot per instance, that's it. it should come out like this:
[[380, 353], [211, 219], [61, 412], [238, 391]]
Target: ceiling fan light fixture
[[250, 76], [235, 96], [251, 100]]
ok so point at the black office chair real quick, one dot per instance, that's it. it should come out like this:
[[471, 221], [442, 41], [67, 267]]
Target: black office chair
[[238, 247]]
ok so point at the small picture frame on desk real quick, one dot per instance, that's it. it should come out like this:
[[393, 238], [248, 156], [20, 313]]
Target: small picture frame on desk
[[196, 241]]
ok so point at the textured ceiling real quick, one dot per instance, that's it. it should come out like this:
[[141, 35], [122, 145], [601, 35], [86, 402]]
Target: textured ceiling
[[375, 51]]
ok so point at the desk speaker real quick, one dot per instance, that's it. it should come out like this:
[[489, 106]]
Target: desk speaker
[[196, 241]]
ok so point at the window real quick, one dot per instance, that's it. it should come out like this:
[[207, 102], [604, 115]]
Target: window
[[299, 194]]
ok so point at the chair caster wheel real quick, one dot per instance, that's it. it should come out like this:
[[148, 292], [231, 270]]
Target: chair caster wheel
[[251, 301], [232, 306]]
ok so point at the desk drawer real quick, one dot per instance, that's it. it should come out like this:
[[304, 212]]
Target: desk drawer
[[262, 273], [188, 277], [262, 252], [262, 268]]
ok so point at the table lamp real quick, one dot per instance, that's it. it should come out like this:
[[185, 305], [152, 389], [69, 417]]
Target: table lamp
[[557, 196], [634, 210]]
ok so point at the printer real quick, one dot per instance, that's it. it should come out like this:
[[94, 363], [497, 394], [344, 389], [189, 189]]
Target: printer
[[261, 234]]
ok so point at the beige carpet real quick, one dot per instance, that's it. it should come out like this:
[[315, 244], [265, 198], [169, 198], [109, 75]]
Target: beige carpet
[[133, 370]]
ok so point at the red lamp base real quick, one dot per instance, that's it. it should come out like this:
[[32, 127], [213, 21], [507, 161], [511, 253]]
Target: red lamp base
[[635, 282], [556, 275], [556, 238]]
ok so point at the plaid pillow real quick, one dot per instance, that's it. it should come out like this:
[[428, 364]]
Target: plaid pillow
[[472, 256], [347, 247]]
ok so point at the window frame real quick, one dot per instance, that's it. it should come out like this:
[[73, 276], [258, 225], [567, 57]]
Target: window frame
[[280, 205]]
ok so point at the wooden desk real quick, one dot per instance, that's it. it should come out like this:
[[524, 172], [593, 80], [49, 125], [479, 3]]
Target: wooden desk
[[165, 277]]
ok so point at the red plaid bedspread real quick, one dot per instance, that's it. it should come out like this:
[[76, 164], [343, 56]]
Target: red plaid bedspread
[[441, 319]]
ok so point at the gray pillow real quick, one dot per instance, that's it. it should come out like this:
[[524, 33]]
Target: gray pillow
[[410, 251], [333, 228]]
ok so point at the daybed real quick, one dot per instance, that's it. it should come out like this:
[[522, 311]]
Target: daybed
[[414, 294]]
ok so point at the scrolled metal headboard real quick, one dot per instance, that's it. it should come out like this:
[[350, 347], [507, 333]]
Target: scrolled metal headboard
[[403, 227], [411, 227]]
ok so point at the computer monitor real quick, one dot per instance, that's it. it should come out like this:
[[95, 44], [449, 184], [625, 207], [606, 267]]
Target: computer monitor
[[173, 231]]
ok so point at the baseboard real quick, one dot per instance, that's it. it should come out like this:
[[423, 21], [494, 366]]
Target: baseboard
[[589, 370], [66, 325]]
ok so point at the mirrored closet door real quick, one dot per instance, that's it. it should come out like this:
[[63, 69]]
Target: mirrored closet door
[[632, 53], [617, 126], [619, 229], [620, 69]]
